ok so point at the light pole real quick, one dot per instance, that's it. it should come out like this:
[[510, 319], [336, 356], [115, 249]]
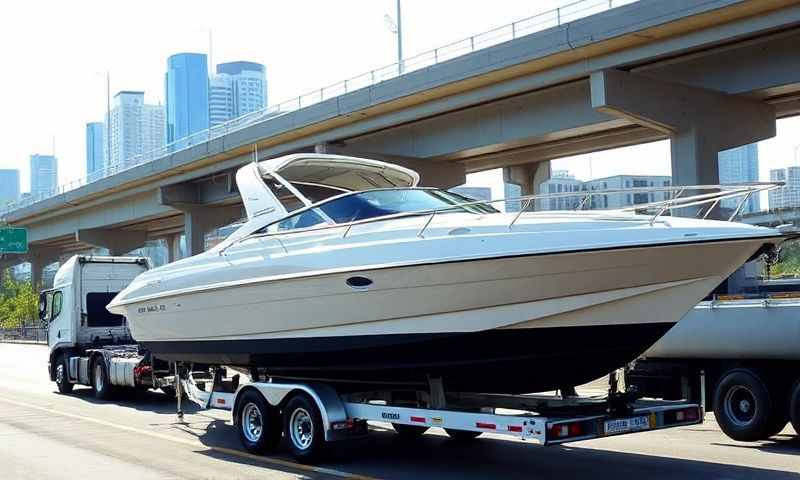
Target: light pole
[[396, 27]]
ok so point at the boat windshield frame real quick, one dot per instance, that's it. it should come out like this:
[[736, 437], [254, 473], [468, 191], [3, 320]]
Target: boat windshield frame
[[462, 207]]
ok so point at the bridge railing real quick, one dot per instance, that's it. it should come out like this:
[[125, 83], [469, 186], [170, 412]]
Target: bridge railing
[[520, 28]]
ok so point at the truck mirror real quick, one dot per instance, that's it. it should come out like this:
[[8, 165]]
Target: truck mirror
[[42, 305]]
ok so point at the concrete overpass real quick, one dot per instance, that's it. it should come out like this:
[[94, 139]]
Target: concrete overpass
[[707, 74]]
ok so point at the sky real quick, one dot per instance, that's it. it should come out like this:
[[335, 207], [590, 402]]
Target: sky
[[54, 79]]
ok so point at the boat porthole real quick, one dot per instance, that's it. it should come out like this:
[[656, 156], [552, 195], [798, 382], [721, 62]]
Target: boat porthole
[[359, 283]]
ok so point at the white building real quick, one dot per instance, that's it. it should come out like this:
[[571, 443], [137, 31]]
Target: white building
[[561, 181], [237, 89], [621, 200], [135, 129], [789, 195]]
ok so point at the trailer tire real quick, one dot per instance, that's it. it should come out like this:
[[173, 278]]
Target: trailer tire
[[258, 423], [462, 435], [794, 407], [103, 389], [409, 431], [303, 428], [62, 375], [743, 407]]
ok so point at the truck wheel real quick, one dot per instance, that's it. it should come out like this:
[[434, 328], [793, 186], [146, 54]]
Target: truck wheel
[[794, 408], [462, 435], [62, 375], [259, 424], [303, 428], [100, 381], [743, 407], [409, 431]]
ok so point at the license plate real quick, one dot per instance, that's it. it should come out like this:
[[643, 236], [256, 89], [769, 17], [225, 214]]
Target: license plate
[[620, 425]]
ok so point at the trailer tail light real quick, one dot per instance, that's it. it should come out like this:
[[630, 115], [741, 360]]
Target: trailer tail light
[[561, 431], [683, 415]]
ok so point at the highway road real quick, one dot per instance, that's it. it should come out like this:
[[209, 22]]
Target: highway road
[[45, 435]]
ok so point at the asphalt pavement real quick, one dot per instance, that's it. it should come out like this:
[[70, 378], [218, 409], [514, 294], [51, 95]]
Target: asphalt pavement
[[46, 435]]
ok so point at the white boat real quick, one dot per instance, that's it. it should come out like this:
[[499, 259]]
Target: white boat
[[346, 271]]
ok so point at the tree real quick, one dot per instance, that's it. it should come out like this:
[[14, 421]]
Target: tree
[[18, 303]]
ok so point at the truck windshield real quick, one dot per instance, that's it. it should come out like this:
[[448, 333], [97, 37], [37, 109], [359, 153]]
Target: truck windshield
[[379, 203]]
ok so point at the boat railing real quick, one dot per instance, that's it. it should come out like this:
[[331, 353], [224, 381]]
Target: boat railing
[[710, 195]]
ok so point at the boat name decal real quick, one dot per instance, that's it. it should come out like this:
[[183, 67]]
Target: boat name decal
[[390, 416], [152, 308]]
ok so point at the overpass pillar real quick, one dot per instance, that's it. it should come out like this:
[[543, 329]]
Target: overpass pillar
[[173, 247], [39, 258], [700, 122], [118, 242], [528, 176], [200, 220]]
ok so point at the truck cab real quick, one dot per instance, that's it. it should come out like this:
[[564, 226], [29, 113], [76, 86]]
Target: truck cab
[[74, 310]]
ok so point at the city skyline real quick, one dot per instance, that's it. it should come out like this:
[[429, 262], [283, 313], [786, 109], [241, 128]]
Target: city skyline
[[186, 95], [139, 64]]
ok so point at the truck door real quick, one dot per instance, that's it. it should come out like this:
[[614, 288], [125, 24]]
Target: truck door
[[59, 323]]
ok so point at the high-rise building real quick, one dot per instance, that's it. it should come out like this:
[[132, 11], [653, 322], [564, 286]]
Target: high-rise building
[[186, 92], [787, 196], [740, 165], [44, 176], [512, 190], [237, 89], [135, 129], [9, 186], [95, 150]]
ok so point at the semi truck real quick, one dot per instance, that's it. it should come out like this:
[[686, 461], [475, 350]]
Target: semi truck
[[88, 344], [738, 356]]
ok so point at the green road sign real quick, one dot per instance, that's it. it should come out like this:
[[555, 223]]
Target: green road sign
[[13, 240]]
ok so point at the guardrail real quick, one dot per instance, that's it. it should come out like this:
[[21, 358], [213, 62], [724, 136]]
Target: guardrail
[[520, 28], [27, 334]]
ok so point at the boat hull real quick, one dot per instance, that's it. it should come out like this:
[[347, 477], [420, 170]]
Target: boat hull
[[497, 361], [511, 325]]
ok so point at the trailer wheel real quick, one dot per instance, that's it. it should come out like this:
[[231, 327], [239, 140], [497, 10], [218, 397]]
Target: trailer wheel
[[462, 435], [259, 424], [409, 431], [62, 375], [794, 407], [742, 406], [100, 381], [303, 428]]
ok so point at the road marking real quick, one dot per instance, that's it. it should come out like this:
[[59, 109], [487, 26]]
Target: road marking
[[193, 443]]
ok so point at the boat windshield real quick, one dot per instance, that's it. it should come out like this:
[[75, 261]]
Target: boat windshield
[[380, 203]]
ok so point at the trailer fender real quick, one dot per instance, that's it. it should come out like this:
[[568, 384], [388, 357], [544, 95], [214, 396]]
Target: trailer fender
[[330, 405]]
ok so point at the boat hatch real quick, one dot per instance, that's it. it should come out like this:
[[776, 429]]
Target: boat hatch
[[259, 184]]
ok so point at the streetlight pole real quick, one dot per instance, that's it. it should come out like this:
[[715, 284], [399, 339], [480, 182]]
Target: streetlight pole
[[399, 39]]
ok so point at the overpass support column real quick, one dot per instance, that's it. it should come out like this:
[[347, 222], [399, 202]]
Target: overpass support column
[[528, 176], [173, 247], [118, 242], [200, 220], [40, 258], [699, 122]]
